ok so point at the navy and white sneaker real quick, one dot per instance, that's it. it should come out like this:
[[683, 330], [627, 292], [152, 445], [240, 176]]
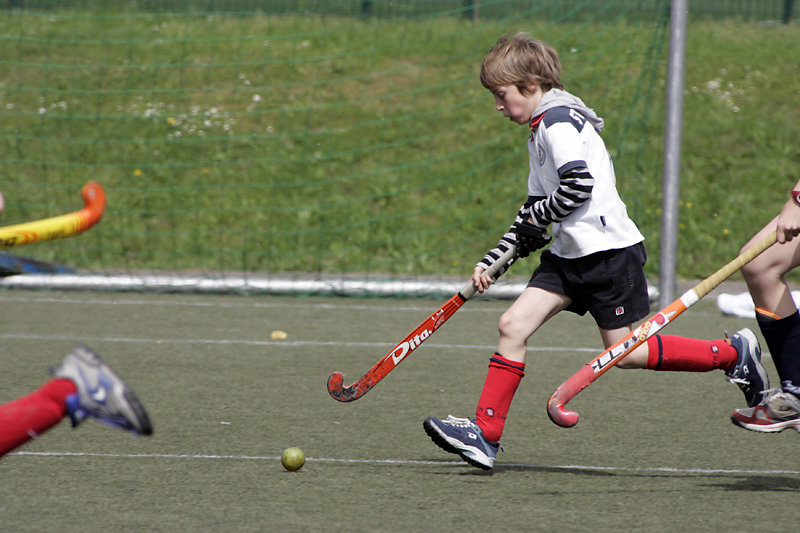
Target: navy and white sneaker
[[102, 394], [748, 372], [464, 437]]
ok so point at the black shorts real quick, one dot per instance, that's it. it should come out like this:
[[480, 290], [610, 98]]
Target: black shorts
[[610, 285]]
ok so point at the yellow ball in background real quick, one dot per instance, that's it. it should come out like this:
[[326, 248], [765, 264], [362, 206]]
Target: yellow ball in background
[[293, 459]]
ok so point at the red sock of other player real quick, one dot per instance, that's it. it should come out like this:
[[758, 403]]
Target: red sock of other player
[[681, 354], [29, 416], [502, 380]]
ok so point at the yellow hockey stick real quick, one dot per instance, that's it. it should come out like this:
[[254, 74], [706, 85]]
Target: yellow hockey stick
[[600, 364], [94, 200]]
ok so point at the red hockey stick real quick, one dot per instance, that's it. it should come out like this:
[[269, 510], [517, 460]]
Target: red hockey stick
[[411, 342], [600, 364]]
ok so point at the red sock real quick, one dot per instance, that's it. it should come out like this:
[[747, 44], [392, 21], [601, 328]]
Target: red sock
[[27, 417], [502, 380], [682, 354]]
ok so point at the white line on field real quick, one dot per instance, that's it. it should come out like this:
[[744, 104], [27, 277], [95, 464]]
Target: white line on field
[[283, 343], [594, 468], [483, 307], [177, 301]]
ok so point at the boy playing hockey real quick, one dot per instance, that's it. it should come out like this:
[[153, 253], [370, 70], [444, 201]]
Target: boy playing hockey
[[594, 262]]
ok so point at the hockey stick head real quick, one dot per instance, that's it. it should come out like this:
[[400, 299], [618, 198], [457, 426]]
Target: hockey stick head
[[558, 414], [94, 200], [339, 392]]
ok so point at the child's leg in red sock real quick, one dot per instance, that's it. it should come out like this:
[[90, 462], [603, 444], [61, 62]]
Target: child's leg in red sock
[[502, 380], [682, 354], [26, 418]]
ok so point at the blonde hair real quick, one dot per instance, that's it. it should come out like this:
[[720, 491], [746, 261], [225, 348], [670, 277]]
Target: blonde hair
[[521, 61]]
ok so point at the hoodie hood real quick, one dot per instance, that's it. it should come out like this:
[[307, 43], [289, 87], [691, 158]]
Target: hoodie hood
[[557, 98]]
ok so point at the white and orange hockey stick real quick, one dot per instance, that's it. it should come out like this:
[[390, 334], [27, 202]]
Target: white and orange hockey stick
[[403, 349], [94, 200], [603, 362]]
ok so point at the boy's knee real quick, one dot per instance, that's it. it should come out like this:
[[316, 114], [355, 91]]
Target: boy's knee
[[509, 325], [505, 322], [750, 272]]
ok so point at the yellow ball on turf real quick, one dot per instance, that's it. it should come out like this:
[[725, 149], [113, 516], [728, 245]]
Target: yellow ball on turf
[[293, 459]]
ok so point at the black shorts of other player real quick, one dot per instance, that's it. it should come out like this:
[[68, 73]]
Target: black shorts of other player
[[611, 284]]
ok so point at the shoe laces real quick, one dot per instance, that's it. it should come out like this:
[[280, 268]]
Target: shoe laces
[[766, 394], [467, 422], [738, 381], [741, 381], [461, 422]]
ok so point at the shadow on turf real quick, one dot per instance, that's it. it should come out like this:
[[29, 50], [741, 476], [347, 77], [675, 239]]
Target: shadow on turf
[[499, 468], [760, 484], [513, 467], [750, 483]]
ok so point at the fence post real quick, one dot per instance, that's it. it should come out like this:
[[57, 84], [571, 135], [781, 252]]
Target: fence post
[[788, 9], [672, 151], [471, 8]]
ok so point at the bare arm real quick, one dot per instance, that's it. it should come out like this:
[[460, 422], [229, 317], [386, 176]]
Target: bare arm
[[789, 219]]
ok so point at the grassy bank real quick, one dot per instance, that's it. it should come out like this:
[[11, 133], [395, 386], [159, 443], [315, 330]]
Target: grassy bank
[[333, 144]]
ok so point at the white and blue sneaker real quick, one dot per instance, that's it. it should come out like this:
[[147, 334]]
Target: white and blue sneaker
[[748, 372], [464, 437], [102, 394]]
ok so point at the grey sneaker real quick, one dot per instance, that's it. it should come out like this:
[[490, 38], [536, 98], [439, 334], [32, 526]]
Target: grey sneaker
[[748, 372], [464, 437], [102, 394], [780, 410]]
